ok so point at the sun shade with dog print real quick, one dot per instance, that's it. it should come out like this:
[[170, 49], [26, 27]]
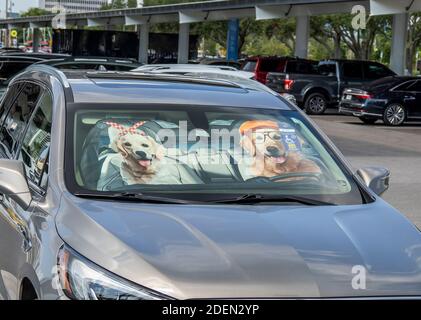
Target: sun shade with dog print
[[194, 151]]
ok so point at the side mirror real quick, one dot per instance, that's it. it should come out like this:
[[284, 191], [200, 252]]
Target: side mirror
[[376, 178], [13, 182]]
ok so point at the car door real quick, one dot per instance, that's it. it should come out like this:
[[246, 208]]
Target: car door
[[412, 100], [15, 241], [351, 75]]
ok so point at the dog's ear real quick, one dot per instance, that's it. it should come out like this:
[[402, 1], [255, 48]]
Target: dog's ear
[[114, 135], [247, 144]]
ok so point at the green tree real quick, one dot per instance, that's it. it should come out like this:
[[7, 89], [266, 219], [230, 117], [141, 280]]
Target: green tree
[[33, 12]]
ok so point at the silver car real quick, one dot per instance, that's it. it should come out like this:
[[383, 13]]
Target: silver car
[[122, 186]]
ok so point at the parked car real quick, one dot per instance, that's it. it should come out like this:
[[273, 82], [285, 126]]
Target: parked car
[[221, 62], [93, 63], [74, 225], [11, 65], [394, 100], [261, 66], [242, 78], [320, 87]]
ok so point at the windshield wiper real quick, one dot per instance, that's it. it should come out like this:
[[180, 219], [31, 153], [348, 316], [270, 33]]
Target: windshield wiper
[[258, 198], [132, 196]]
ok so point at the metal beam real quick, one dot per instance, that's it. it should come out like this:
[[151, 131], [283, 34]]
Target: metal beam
[[282, 11], [209, 10]]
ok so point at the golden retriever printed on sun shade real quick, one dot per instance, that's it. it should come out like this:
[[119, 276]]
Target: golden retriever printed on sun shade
[[262, 139], [141, 154]]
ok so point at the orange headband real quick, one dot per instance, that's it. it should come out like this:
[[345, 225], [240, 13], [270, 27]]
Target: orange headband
[[257, 124]]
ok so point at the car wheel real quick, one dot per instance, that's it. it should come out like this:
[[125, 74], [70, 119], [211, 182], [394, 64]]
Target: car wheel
[[367, 120], [316, 103], [394, 114]]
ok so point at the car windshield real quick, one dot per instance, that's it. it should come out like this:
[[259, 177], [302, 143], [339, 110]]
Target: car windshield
[[202, 153]]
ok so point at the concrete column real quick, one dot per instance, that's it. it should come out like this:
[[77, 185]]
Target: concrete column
[[36, 39], [144, 43], [399, 36], [183, 43], [302, 34]]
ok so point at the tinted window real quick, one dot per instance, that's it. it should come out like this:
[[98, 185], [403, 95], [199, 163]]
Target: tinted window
[[327, 69], [302, 67], [18, 117], [9, 97], [416, 87], [376, 71], [405, 86], [352, 70], [36, 142], [271, 65], [8, 69]]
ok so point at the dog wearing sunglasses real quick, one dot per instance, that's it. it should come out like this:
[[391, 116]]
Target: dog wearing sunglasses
[[263, 142]]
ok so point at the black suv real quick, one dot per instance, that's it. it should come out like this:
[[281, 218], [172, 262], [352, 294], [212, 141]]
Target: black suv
[[316, 89]]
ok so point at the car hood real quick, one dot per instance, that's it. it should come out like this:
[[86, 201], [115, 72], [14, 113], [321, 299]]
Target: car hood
[[237, 251]]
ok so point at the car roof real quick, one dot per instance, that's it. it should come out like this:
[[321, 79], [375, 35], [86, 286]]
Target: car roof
[[185, 66], [131, 87], [39, 55]]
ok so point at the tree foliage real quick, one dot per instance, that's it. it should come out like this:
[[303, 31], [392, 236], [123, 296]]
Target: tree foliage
[[34, 12]]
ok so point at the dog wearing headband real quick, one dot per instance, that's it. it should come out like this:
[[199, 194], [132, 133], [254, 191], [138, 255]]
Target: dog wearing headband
[[263, 142], [141, 154]]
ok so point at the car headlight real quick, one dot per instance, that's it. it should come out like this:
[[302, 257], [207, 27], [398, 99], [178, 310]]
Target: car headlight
[[81, 279]]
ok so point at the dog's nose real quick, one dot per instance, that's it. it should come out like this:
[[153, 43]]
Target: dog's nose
[[142, 155], [274, 151]]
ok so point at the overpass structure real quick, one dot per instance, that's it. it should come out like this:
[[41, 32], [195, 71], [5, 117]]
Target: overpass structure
[[188, 13]]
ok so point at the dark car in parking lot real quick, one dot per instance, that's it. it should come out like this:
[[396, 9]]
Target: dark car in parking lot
[[394, 100], [93, 63], [317, 88]]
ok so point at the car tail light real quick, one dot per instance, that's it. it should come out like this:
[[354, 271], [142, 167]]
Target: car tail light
[[364, 96], [288, 83]]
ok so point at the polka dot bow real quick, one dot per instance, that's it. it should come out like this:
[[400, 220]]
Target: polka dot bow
[[124, 130]]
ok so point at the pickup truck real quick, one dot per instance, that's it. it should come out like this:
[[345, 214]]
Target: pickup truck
[[323, 86]]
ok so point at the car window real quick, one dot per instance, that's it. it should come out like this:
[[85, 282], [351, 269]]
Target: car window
[[271, 65], [376, 71], [8, 98], [327, 69], [405, 86], [10, 68], [185, 151], [36, 142], [18, 116], [352, 70], [250, 66], [416, 87], [302, 67]]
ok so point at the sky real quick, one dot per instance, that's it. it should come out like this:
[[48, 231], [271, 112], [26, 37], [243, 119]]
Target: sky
[[20, 5]]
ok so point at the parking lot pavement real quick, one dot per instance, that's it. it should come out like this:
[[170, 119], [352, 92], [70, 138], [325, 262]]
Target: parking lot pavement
[[398, 149]]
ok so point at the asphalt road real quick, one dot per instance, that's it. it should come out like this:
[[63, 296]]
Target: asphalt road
[[398, 149]]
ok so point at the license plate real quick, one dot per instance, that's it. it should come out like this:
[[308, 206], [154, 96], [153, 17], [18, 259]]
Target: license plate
[[348, 97]]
